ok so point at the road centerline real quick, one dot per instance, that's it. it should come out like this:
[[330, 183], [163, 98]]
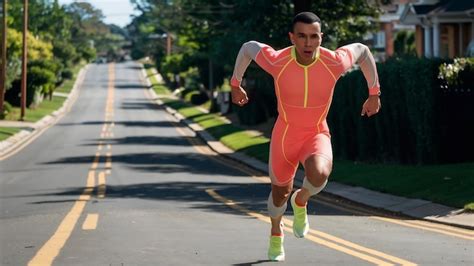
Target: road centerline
[[352, 249], [51, 249]]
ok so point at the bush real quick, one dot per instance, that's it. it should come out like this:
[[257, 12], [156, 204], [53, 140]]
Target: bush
[[196, 97], [40, 81], [418, 123], [458, 75], [7, 108], [454, 110], [190, 78], [67, 74]]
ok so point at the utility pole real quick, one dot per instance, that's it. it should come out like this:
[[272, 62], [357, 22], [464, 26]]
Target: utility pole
[[3, 67], [24, 60]]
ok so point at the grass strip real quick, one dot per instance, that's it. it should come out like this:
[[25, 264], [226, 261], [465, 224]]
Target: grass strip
[[33, 115], [47, 106], [448, 184], [6, 132]]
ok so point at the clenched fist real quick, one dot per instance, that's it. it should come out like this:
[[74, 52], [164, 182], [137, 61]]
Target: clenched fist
[[371, 106], [239, 96]]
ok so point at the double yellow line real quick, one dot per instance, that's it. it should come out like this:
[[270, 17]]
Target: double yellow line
[[51, 249], [413, 223], [330, 241], [333, 242]]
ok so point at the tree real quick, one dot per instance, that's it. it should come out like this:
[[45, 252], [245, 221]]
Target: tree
[[87, 28], [211, 28], [404, 43], [302, 5], [210, 32], [59, 37]]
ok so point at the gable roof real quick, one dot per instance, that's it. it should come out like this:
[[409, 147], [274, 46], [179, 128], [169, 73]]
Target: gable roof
[[444, 6], [455, 10]]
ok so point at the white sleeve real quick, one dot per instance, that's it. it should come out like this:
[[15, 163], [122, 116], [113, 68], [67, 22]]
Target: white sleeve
[[247, 53], [363, 57]]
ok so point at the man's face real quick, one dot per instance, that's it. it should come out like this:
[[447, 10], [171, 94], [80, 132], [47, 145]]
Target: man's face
[[306, 38]]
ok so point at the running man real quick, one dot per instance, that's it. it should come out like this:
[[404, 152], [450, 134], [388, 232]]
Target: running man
[[304, 76]]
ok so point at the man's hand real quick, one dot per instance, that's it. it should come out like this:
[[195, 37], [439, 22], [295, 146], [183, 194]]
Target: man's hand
[[239, 96], [371, 106]]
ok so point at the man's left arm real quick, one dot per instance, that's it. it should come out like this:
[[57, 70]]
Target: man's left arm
[[362, 56]]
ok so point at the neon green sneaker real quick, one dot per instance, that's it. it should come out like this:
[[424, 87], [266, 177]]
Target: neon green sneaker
[[276, 252], [300, 218]]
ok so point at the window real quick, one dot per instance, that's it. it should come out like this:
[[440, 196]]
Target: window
[[379, 40]]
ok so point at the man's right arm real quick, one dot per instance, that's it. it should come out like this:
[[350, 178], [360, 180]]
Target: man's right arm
[[247, 53]]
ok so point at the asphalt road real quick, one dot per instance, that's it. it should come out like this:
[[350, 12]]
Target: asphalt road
[[119, 182]]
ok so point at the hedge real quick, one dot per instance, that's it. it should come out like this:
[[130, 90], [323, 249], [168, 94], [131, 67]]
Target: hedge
[[419, 123]]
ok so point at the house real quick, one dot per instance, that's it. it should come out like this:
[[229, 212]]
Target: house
[[444, 28], [382, 41]]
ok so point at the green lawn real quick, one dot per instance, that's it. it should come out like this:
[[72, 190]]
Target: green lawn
[[32, 115], [232, 136], [451, 185], [6, 132], [158, 88], [46, 107]]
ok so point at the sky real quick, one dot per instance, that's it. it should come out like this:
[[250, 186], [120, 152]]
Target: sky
[[115, 11]]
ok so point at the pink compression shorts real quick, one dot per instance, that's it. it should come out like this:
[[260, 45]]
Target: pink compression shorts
[[291, 145]]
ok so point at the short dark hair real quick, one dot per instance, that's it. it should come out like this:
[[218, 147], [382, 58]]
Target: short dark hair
[[305, 17]]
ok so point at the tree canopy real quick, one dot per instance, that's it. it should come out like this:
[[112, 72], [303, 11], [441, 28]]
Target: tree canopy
[[207, 31], [59, 37]]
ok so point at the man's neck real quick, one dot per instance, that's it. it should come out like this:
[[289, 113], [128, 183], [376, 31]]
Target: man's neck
[[304, 61]]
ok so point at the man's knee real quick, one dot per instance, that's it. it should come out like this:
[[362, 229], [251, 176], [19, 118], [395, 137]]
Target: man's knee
[[277, 200], [318, 176], [317, 170], [280, 195]]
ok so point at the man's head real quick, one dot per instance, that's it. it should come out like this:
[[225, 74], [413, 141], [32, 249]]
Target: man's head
[[306, 35]]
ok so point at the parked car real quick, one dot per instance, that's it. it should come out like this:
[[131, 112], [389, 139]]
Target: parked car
[[100, 60]]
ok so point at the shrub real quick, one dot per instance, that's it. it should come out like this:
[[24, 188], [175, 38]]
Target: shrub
[[419, 123], [196, 97], [67, 74], [459, 74], [7, 108]]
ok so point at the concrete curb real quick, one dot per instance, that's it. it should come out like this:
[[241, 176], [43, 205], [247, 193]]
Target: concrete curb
[[415, 208], [18, 141]]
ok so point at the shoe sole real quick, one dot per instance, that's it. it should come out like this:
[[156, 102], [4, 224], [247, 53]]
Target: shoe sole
[[279, 258]]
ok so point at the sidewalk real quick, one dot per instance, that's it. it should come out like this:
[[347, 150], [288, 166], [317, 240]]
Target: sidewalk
[[416, 208]]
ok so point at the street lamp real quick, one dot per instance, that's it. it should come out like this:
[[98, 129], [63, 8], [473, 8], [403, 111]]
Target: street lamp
[[166, 36]]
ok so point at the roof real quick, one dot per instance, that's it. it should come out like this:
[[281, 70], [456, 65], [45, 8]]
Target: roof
[[448, 11], [444, 6], [457, 6], [423, 9]]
